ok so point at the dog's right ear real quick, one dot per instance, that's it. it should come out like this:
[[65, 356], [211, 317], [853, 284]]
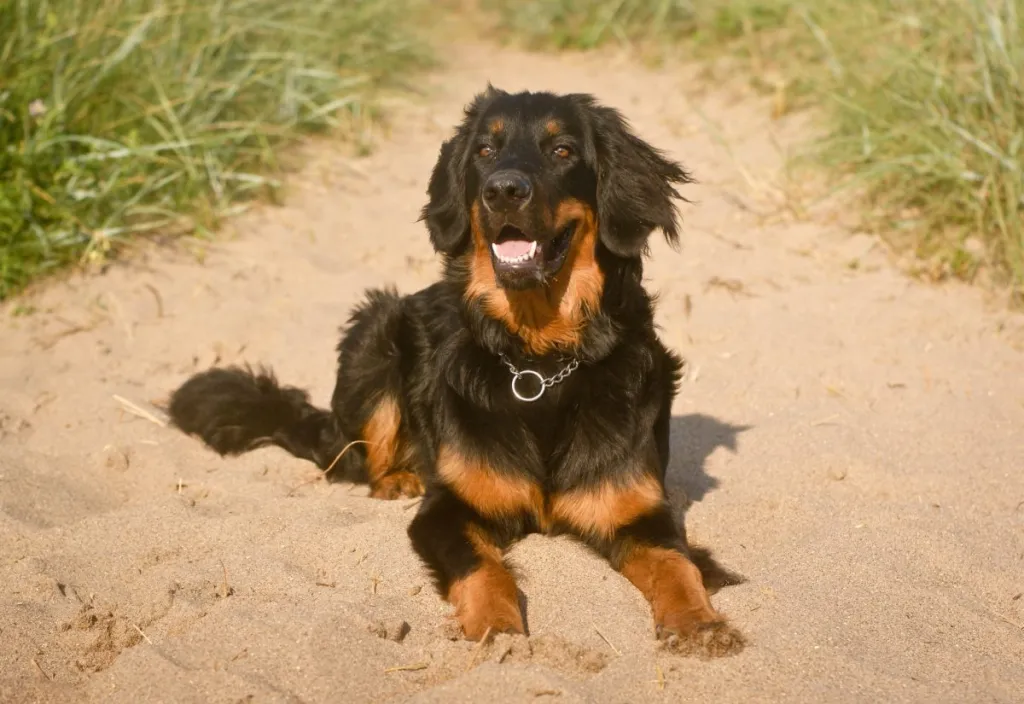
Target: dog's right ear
[[447, 210]]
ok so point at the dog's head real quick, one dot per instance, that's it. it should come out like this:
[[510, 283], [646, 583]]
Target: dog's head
[[528, 176]]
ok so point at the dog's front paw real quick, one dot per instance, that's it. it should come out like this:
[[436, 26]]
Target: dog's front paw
[[478, 631], [487, 602], [489, 619], [708, 639]]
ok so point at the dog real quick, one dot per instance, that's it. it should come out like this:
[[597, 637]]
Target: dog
[[526, 390]]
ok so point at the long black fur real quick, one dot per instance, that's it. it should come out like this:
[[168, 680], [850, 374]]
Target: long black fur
[[438, 354], [238, 410]]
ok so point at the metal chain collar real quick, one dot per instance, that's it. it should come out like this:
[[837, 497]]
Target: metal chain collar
[[545, 383]]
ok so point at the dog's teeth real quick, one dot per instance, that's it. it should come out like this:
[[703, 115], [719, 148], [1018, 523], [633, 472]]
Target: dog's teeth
[[516, 260]]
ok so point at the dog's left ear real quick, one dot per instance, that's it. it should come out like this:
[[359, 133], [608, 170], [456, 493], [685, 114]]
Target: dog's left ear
[[447, 210], [636, 183]]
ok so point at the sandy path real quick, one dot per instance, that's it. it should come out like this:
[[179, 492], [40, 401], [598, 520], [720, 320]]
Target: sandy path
[[852, 442]]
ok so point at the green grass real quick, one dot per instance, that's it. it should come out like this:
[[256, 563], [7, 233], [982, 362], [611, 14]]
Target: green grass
[[125, 117], [923, 99], [586, 24]]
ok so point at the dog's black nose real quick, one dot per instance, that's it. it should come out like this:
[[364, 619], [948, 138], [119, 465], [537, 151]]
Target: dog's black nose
[[505, 191]]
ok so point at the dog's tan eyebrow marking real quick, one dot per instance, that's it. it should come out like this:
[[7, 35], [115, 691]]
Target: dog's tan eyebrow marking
[[553, 127], [497, 126]]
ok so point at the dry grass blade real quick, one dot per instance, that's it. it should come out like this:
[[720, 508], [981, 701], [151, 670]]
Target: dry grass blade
[[139, 411], [225, 588], [734, 286], [342, 453], [307, 482], [661, 676], [143, 634], [1005, 619], [156, 297], [484, 640], [605, 639], [41, 670], [407, 668]]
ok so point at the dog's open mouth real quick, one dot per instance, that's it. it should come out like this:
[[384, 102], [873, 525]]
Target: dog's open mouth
[[513, 246], [515, 252]]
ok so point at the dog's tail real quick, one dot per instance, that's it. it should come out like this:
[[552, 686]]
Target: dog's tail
[[235, 410]]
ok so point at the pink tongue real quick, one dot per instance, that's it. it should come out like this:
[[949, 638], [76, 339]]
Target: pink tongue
[[509, 249]]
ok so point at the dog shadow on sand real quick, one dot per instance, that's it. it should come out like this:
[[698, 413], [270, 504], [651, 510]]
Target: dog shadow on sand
[[694, 438]]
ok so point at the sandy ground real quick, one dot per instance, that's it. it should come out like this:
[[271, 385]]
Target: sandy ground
[[852, 443]]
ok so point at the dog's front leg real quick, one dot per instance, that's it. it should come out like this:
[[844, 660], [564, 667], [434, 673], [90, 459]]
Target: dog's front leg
[[464, 553], [628, 520], [471, 513], [649, 554]]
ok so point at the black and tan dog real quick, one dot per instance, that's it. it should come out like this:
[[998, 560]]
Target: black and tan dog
[[526, 390]]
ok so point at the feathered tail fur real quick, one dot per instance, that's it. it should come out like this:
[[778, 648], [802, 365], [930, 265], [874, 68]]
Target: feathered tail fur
[[235, 410]]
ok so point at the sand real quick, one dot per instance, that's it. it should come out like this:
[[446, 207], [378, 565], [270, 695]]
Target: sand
[[851, 440]]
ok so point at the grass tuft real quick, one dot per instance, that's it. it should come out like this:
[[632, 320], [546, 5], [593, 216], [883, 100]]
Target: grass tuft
[[924, 99], [931, 121], [125, 117], [586, 24]]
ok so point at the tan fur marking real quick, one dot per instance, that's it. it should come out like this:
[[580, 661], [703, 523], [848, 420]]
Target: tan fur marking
[[553, 127], [487, 491], [601, 512], [381, 436], [397, 485], [487, 600], [553, 316], [497, 126], [673, 586], [482, 544], [383, 452]]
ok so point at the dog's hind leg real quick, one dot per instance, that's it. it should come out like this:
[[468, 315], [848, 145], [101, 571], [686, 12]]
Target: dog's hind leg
[[363, 438], [389, 456], [369, 399]]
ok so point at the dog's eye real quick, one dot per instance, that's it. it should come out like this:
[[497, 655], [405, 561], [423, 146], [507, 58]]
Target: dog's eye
[[562, 151], [484, 150]]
